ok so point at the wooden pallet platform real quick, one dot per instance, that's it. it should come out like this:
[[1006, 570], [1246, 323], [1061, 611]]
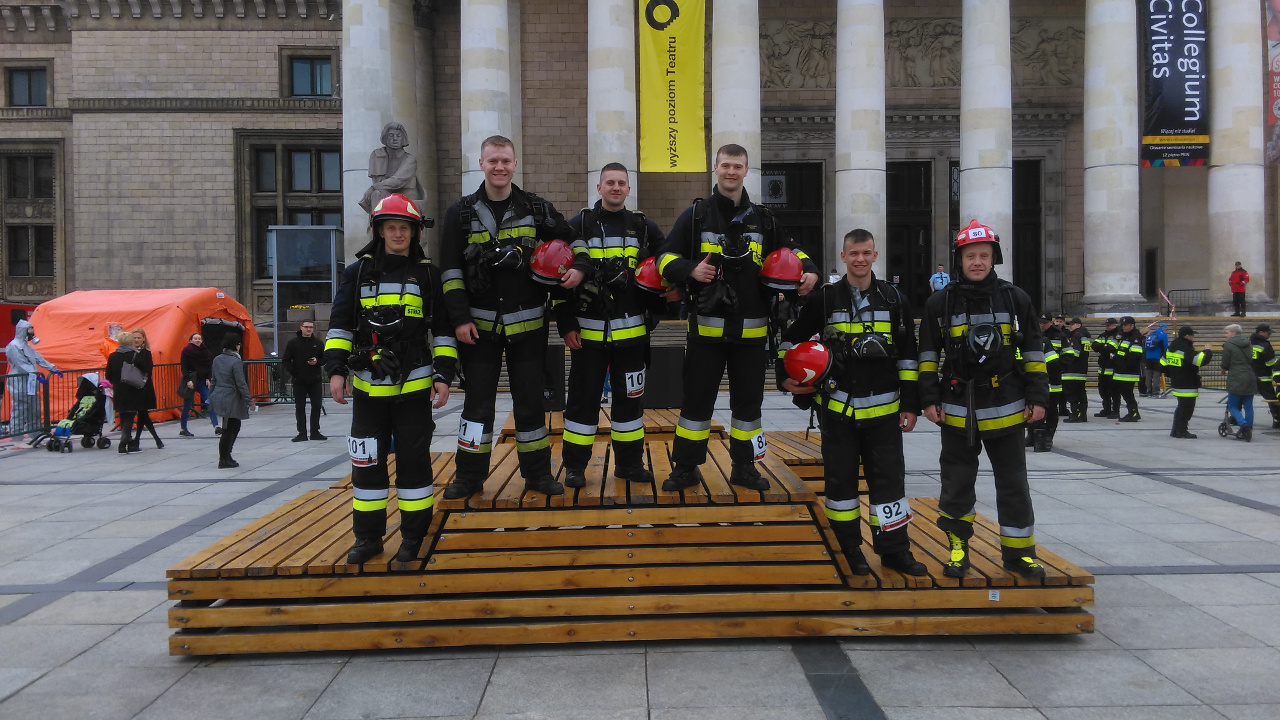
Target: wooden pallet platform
[[611, 561], [659, 425]]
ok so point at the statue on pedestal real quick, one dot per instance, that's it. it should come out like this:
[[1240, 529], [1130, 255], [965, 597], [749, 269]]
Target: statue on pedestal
[[392, 169]]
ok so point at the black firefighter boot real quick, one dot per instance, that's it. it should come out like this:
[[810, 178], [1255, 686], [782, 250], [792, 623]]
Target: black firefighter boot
[[1077, 415], [1132, 416], [369, 527], [413, 530], [460, 488], [851, 545]]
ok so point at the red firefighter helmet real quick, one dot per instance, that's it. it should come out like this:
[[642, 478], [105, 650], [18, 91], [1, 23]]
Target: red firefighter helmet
[[807, 363], [648, 278], [396, 207], [782, 270], [550, 261], [976, 232]]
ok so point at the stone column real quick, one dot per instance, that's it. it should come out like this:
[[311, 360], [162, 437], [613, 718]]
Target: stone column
[[611, 91], [366, 105], [423, 140], [860, 134], [1112, 251], [986, 123], [735, 82], [1237, 209], [485, 58]]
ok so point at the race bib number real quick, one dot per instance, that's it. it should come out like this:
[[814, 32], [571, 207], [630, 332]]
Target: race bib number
[[363, 451], [759, 446], [893, 515], [635, 384], [470, 435]]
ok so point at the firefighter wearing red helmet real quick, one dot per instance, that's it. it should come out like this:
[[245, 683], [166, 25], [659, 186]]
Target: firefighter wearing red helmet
[[715, 251], [388, 307], [605, 325], [864, 406], [497, 307], [982, 396]]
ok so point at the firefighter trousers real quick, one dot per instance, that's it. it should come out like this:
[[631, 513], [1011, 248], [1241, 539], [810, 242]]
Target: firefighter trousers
[[879, 448], [1267, 389], [1123, 389], [1105, 391], [1077, 398], [375, 422], [626, 370], [1049, 423], [482, 364], [704, 366], [1182, 414], [959, 465]]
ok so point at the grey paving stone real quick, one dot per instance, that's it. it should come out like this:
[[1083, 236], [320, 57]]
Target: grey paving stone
[[1129, 591], [934, 679], [1138, 628], [48, 645], [968, 713], [1217, 589], [1077, 679], [1245, 552], [1183, 712], [568, 684], [136, 645], [1185, 529], [94, 694], [14, 679], [621, 714], [130, 528], [7, 599], [1241, 675], [284, 692], [1268, 578], [727, 645], [404, 689], [738, 713], [1095, 532], [749, 678], [1262, 530], [409, 654], [264, 659], [1093, 641], [96, 608], [906, 643], [1259, 621], [1249, 712], [1142, 554], [601, 648]]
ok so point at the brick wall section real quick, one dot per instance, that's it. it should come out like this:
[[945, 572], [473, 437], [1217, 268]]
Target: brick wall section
[[553, 79], [155, 196], [445, 40], [663, 196], [166, 63]]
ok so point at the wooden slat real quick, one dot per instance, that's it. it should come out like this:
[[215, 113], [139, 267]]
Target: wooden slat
[[184, 568], [504, 484], [263, 559], [720, 466], [487, 520], [263, 529], [641, 493], [596, 537], [626, 556], [613, 490], [660, 459], [993, 571]]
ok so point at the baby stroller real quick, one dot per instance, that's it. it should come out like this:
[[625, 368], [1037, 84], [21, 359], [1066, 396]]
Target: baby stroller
[[86, 418]]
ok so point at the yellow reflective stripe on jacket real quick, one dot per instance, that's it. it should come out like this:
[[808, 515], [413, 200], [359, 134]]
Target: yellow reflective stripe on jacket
[[480, 234], [860, 408], [665, 259], [339, 340]]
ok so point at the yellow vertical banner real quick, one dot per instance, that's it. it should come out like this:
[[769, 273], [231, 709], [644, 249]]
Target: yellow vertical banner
[[671, 46]]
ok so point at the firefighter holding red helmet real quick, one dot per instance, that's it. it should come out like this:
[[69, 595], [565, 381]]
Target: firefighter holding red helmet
[[388, 307], [992, 383], [863, 380]]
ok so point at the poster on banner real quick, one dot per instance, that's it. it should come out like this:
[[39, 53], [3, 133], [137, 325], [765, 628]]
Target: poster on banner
[[1273, 82], [1175, 124], [671, 46]]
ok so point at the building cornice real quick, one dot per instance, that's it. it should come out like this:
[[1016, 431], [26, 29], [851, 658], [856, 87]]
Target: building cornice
[[183, 105]]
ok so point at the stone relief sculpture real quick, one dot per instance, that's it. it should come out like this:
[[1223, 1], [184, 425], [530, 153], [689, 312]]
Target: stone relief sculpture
[[1044, 55], [797, 54], [392, 170]]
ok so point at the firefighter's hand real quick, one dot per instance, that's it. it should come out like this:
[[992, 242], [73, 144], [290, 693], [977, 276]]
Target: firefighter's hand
[[337, 389], [191, 385], [671, 294], [467, 333], [573, 340], [439, 395], [1033, 413], [807, 282], [907, 421], [796, 388], [704, 272], [936, 414], [571, 279], [1207, 346]]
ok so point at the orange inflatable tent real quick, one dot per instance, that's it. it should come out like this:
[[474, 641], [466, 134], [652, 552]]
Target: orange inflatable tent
[[73, 331]]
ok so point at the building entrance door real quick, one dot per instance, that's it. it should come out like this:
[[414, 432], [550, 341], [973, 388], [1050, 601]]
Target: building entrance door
[[1028, 229], [793, 191], [908, 247]]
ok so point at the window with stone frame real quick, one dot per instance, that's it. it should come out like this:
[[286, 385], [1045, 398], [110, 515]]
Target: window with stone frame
[[27, 87], [308, 72], [290, 182], [30, 250], [28, 216]]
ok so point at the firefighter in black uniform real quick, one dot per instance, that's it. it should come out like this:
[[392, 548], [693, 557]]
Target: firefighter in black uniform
[[867, 401], [1057, 334], [1075, 370], [981, 396], [604, 325], [1105, 346], [1040, 439], [1265, 366], [1129, 348], [716, 250], [388, 306], [1182, 363], [496, 306]]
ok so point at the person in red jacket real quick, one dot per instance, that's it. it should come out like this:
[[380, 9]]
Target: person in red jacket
[[1239, 279]]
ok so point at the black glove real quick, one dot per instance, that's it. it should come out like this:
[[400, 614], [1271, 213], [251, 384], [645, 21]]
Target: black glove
[[385, 365]]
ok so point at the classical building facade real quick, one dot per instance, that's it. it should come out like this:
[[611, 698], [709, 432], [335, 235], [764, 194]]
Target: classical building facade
[[171, 133]]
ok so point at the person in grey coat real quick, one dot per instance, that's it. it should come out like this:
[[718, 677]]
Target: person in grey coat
[[20, 353], [1242, 383], [230, 397]]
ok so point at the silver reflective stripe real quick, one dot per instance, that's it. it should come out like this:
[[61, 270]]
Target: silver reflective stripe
[[626, 425], [415, 374], [753, 237], [451, 275], [712, 238], [1033, 356], [875, 400], [929, 356], [368, 291], [627, 322], [956, 410], [390, 288], [336, 334], [908, 365], [839, 317], [522, 315], [479, 314], [1004, 317], [737, 424], [579, 428], [785, 346], [531, 435], [842, 504], [591, 324], [367, 494], [412, 289], [1002, 411], [881, 316], [1007, 531], [748, 323], [414, 493], [694, 424], [707, 321], [443, 341]]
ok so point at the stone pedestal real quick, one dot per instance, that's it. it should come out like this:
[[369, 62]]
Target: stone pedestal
[[860, 133], [986, 123], [735, 82]]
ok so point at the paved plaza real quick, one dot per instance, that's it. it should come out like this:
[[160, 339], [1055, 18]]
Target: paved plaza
[[1183, 535]]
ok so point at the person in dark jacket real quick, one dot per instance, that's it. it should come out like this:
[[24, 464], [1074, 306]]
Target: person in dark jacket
[[993, 381], [1075, 370], [1242, 383], [303, 359], [197, 368], [1129, 351], [128, 400], [146, 364], [1182, 363], [1266, 367], [1040, 437], [230, 397], [1105, 348]]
